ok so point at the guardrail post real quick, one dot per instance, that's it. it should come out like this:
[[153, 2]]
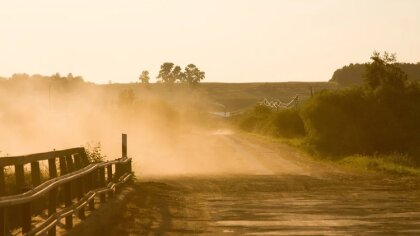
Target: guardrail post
[[102, 182], [63, 166], [52, 209], [2, 210], [117, 171], [52, 168], [2, 182], [20, 178], [80, 193], [109, 179], [109, 173], [129, 167], [70, 164], [77, 161], [124, 145], [26, 217], [68, 203], [2, 222], [52, 172], [63, 171], [93, 184], [83, 158], [26, 207], [35, 173]]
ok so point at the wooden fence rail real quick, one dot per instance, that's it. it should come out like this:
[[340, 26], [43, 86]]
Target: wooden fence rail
[[67, 191]]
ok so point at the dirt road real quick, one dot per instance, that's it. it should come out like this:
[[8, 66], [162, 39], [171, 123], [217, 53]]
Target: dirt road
[[268, 189]]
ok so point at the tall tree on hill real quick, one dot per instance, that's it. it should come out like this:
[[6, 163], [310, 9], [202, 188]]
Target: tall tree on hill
[[385, 72], [144, 77], [193, 75]]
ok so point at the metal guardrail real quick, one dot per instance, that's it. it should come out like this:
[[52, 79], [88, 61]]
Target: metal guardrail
[[78, 181]]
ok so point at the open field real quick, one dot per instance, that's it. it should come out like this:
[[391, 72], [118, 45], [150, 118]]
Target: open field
[[233, 95]]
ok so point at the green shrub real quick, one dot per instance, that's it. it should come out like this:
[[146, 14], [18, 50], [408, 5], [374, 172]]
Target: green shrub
[[250, 120], [283, 123], [381, 117], [94, 153]]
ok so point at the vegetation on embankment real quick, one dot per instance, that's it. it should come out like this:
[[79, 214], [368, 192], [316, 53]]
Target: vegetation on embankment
[[263, 120], [375, 126]]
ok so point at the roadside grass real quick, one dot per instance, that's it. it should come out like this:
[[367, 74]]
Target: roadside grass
[[393, 164]]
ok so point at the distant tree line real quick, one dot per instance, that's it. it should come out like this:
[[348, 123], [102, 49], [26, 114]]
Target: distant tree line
[[37, 77], [60, 82], [353, 74], [170, 74]]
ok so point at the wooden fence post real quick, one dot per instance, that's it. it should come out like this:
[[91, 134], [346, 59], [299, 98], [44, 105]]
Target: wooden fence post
[[124, 145], [63, 170], [52, 209], [77, 161], [63, 166], [26, 207], [102, 182], [109, 179], [68, 203], [26, 217], [2, 181], [2, 222], [118, 171], [93, 184], [52, 168], [3, 230], [109, 173], [20, 178], [70, 163], [84, 159], [35, 174], [80, 193]]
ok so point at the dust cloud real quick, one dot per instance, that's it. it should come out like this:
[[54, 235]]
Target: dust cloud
[[169, 129]]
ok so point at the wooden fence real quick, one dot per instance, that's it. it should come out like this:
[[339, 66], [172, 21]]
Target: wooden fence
[[277, 104], [68, 187]]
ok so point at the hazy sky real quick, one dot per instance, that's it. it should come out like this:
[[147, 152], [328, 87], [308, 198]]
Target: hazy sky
[[231, 40]]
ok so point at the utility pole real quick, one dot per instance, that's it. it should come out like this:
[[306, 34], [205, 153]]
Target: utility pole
[[49, 96], [124, 145]]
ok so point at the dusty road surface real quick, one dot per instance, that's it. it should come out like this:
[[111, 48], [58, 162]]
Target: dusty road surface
[[265, 189]]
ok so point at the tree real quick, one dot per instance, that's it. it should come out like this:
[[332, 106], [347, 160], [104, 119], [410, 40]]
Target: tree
[[126, 97], [169, 73], [144, 77], [165, 72], [384, 72], [177, 74], [192, 75]]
